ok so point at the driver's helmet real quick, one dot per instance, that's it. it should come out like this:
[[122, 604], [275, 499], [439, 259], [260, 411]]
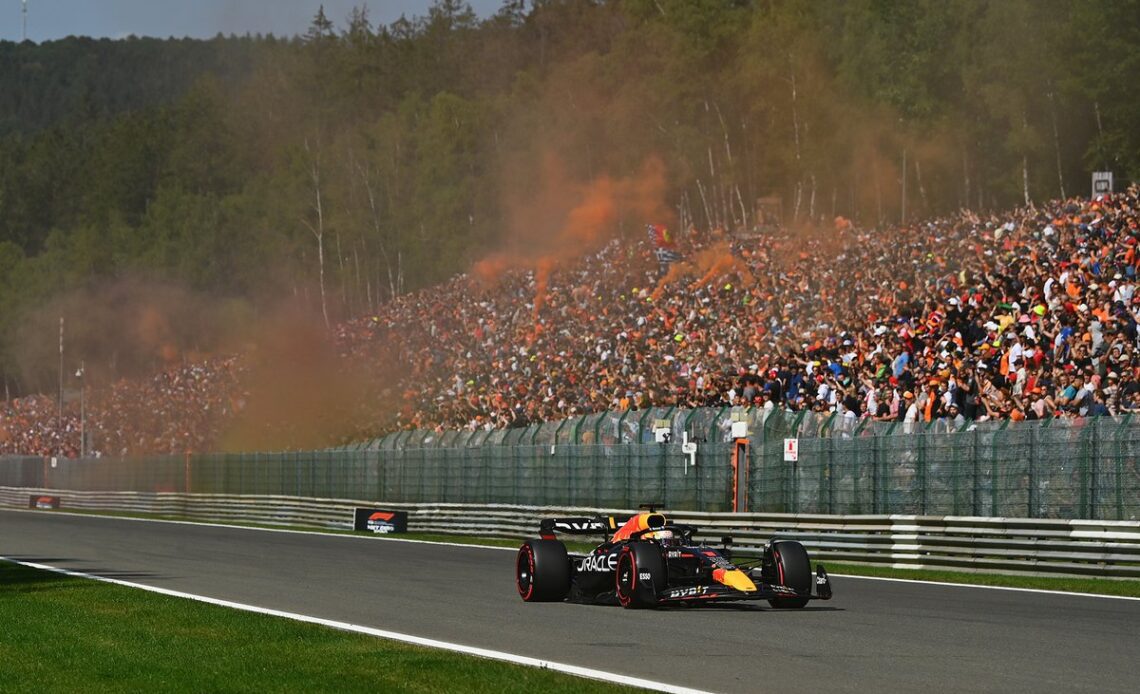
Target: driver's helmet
[[664, 536]]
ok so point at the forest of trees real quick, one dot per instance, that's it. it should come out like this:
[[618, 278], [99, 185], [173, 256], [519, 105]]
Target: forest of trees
[[357, 162]]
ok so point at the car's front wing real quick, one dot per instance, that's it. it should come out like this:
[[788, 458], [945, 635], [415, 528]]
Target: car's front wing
[[718, 592]]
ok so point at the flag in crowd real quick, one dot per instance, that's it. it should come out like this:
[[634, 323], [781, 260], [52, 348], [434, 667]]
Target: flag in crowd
[[659, 236]]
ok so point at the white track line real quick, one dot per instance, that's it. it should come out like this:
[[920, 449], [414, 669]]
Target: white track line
[[390, 538], [381, 633], [289, 531]]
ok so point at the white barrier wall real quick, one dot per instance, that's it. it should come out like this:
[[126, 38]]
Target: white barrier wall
[[1017, 545]]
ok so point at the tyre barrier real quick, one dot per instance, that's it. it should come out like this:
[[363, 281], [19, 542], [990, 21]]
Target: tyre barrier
[[961, 543]]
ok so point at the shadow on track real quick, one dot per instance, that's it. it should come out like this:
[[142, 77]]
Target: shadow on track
[[123, 575], [13, 575], [711, 607], [22, 578]]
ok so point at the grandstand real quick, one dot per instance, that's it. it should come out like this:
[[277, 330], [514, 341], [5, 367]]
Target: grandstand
[[1030, 314]]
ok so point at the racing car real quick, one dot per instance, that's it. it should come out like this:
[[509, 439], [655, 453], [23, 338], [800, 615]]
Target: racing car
[[649, 562]]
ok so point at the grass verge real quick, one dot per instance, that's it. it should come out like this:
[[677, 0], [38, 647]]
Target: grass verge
[[69, 634]]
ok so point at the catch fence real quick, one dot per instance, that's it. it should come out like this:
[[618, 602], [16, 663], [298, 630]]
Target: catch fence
[[1061, 468]]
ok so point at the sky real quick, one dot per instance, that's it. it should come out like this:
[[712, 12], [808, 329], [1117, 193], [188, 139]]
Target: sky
[[55, 19]]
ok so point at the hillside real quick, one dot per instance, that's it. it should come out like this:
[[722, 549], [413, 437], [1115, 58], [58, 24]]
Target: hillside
[[168, 199]]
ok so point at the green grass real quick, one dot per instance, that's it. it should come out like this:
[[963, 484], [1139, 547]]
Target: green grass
[[65, 634]]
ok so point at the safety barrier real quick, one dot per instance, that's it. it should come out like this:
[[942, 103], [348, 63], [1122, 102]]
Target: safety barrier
[[1009, 545], [794, 463]]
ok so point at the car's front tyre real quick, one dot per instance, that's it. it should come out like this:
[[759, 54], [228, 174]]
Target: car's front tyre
[[542, 571], [640, 575], [786, 563]]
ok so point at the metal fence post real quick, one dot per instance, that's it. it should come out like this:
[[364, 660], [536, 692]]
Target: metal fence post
[[573, 494], [1083, 471], [876, 463], [378, 459], [825, 428], [920, 468], [641, 424], [977, 482], [1034, 435], [994, 469], [711, 436], [598, 429], [517, 466], [1121, 431], [794, 486], [689, 418], [422, 450], [1094, 458], [598, 462], [827, 475]]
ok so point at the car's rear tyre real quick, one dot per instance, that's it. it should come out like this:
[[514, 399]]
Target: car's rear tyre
[[788, 565], [640, 576], [542, 571]]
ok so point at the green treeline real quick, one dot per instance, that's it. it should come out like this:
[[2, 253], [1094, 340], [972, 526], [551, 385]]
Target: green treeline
[[358, 162]]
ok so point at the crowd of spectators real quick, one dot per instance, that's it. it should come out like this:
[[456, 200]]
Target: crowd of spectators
[[34, 425], [1023, 315], [183, 409], [179, 410]]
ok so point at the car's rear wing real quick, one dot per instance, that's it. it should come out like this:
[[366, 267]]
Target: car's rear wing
[[579, 525]]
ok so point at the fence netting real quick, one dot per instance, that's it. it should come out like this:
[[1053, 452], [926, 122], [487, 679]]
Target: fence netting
[[1059, 468]]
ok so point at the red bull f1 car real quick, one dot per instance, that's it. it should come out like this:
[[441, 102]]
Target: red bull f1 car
[[649, 562]]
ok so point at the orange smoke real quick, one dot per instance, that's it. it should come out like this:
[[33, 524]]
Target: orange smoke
[[299, 394], [721, 263], [713, 263], [589, 221], [557, 219], [541, 281], [154, 333], [677, 271], [488, 270]]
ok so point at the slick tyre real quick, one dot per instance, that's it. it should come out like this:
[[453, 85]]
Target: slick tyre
[[790, 567], [640, 575], [542, 571]]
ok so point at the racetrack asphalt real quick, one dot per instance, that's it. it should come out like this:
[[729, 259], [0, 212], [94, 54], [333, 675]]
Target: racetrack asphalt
[[889, 636]]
